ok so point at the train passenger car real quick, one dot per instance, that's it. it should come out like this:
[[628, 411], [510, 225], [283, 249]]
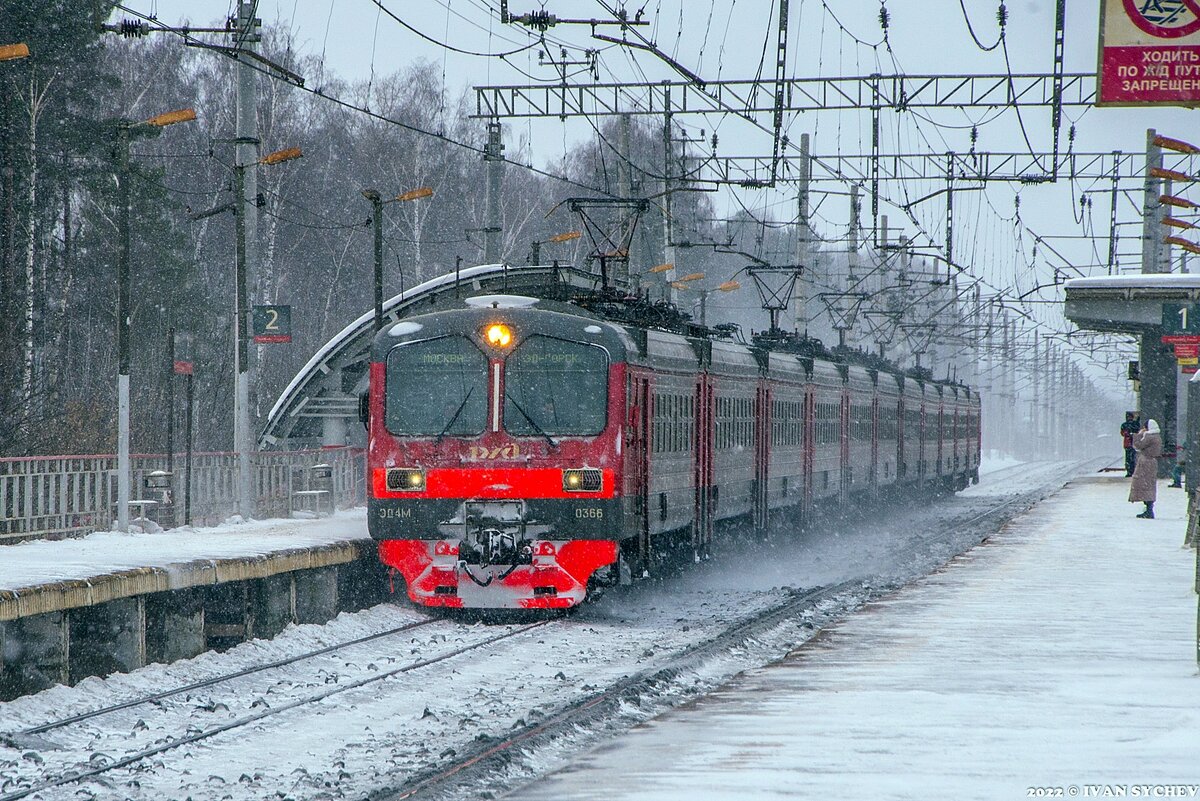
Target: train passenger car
[[859, 393], [521, 451], [787, 462], [888, 430]]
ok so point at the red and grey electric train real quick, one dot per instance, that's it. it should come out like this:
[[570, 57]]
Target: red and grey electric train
[[520, 450]]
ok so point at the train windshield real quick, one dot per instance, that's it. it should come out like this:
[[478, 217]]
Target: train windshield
[[553, 386], [437, 387]]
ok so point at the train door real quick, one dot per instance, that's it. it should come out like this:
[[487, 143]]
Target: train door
[[941, 440], [639, 417], [762, 454], [922, 438], [844, 447], [702, 529], [874, 474], [810, 436]]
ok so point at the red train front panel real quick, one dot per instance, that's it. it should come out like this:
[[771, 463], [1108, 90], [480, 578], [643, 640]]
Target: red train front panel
[[494, 456]]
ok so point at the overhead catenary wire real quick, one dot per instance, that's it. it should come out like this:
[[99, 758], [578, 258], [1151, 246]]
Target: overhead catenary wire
[[363, 110]]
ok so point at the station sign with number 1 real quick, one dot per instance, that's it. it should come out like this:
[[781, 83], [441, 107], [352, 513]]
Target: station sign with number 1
[[1180, 318]]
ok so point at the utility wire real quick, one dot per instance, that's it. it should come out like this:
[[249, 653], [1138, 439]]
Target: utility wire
[[360, 109], [446, 45]]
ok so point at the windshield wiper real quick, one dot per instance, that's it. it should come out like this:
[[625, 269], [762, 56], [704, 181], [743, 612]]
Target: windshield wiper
[[532, 422], [457, 412]]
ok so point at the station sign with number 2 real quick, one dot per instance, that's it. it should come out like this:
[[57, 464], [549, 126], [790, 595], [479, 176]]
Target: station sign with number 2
[[272, 324]]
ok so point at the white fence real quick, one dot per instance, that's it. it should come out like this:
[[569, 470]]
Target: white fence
[[60, 496]]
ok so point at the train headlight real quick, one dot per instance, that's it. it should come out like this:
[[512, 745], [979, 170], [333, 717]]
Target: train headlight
[[405, 479], [498, 335], [587, 479]]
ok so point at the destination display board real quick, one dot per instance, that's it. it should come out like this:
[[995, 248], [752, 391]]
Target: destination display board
[[1149, 52]]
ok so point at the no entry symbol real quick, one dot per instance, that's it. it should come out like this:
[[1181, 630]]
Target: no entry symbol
[[1165, 19]]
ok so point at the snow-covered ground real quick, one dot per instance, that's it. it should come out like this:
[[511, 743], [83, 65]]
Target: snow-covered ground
[[1057, 660], [28, 564], [382, 734]]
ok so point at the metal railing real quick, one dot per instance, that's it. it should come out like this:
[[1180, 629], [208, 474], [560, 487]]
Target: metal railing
[[62, 496]]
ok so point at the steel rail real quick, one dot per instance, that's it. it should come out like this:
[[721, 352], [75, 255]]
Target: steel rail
[[439, 780], [169, 745], [105, 710]]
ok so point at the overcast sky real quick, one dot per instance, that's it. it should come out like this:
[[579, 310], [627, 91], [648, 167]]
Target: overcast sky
[[725, 39]]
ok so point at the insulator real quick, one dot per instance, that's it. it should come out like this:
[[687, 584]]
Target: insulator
[[884, 17], [134, 29], [974, 134], [1002, 15], [1071, 134]]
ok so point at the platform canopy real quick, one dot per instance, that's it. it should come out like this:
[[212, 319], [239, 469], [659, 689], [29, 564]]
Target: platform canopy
[[325, 390], [1127, 304]]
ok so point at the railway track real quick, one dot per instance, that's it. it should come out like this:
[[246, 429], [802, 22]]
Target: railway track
[[458, 778], [215, 680], [173, 743], [591, 713]]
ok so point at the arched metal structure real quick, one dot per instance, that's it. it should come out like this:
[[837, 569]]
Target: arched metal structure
[[320, 405]]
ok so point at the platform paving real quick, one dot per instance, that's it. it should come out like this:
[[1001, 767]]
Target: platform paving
[[1056, 660], [47, 576]]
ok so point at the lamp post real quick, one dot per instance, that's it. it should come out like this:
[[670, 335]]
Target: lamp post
[[242, 443], [683, 284], [124, 130], [377, 202], [535, 255], [12, 52]]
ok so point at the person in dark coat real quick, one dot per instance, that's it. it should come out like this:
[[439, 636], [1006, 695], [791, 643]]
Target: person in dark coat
[[1144, 488], [1129, 429]]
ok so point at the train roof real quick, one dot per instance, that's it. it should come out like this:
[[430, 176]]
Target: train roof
[[523, 313], [636, 330]]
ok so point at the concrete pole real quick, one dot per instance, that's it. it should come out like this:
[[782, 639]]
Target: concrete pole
[[246, 173], [493, 156], [376, 201], [1007, 399], [1048, 403], [124, 294], [1192, 470], [1152, 209], [1157, 366], [1034, 417], [625, 187], [668, 144], [803, 240]]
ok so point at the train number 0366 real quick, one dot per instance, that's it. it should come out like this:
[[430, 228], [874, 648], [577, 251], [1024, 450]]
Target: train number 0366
[[590, 512]]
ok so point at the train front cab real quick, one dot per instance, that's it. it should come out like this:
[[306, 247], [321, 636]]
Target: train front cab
[[494, 465]]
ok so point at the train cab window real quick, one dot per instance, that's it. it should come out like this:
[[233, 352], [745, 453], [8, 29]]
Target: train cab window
[[437, 387], [554, 386]]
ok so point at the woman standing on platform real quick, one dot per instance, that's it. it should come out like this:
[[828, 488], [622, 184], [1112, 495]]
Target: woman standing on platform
[[1148, 444]]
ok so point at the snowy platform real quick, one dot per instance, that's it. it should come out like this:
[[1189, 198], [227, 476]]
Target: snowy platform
[[44, 576], [1057, 660]]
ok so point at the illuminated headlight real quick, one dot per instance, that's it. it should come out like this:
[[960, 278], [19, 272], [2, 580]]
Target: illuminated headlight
[[405, 479], [498, 335], [586, 479]]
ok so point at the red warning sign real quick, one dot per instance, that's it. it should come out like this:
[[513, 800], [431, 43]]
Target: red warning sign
[[1150, 52]]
